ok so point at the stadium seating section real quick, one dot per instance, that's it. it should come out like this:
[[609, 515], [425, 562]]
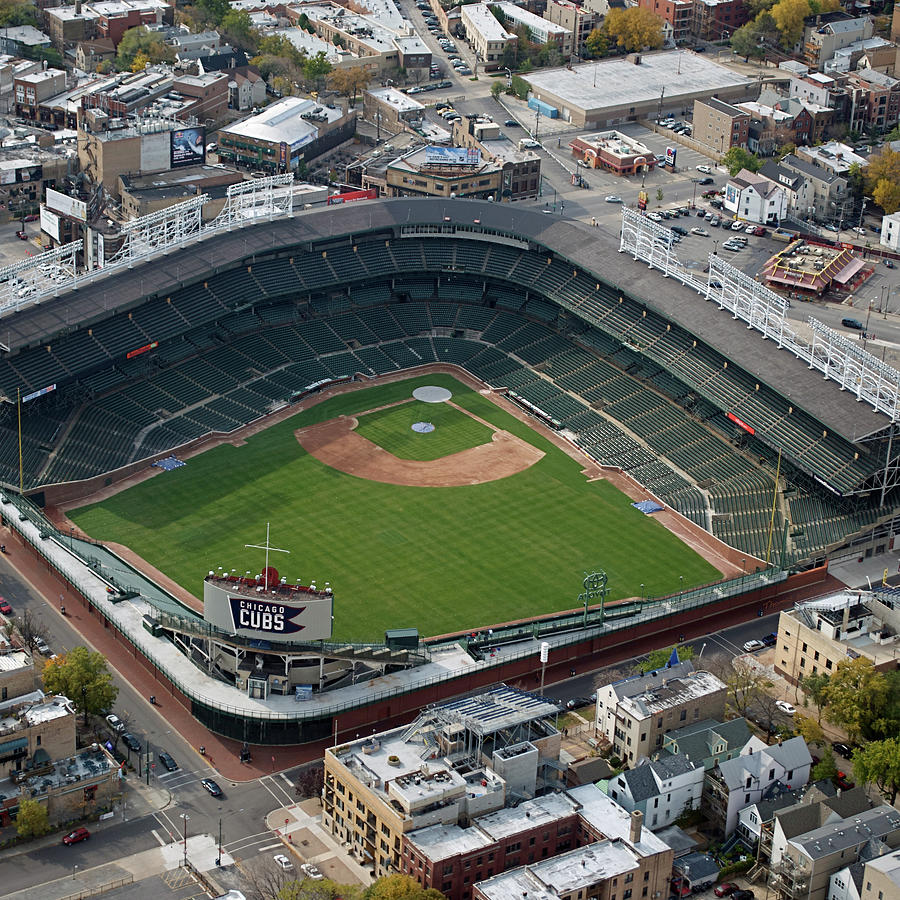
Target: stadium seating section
[[632, 390]]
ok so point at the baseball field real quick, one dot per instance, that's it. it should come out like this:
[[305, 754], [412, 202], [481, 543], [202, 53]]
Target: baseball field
[[341, 485]]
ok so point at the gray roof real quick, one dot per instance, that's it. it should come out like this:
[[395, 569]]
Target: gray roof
[[672, 765], [817, 806], [810, 170], [871, 823], [678, 839], [638, 684], [773, 171], [723, 107], [701, 865], [791, 754], [641, 783], [594, 249], [696, 740]]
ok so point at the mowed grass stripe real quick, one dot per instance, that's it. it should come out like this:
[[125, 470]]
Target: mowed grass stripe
[[438, 559], [453, 430]]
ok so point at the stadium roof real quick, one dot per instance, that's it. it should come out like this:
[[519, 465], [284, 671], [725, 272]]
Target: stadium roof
[[593, 249]]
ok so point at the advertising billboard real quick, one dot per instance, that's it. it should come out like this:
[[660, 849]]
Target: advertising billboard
[[283, 614], [188, 147], [671, 154], [350, 196], [451, 156], [68, 206], [50, 223]]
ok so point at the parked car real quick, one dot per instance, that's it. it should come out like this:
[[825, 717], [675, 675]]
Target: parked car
[[759, 231], [889, 263], [855, 324], [283, 862], [578, 702], [5, 608], [211, 786], [42, 646], [842, 749], [115, 723], [786, 707], [76, 836], [310, 871], [706, 180], [706, 170], [843, 782], [131, 742], [737, 226], [32, 217], [743, 895], [770, 640], [679, 230], [464, 70], [701, 231], [751, 646], [725, 889], [167, 761]]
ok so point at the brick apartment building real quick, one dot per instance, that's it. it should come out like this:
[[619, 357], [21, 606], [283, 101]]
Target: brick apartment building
[[719, 125]]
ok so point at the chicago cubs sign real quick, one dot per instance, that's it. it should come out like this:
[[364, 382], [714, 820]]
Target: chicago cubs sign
[[261, 615]]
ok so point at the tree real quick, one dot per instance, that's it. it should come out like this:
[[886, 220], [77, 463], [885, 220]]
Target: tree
[[597, 43], [31, 820], [496, 90], [785, 150], [139, 40], [316, 67], [400, 887], [815, 688], [887, 195], [789, 16], [737, 158], [28, 628], [810, 730], [310, 781], [350, 82], [744, 683], [140, 61], [13, 13], [857, 696], [82, 676], [237, 26], [657, 659], [279, 45], [878, 763], [746, 42], [826, 769], [635, 28]]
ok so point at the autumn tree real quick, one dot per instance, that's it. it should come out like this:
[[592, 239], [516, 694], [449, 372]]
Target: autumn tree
[[350, 82], [737, 158], [400, 887], [597, 43], [789, 16], [635, 28], [83, 676], [31, 820], [815, 688], [878, 763], [658, 659], [810, 730], [140, 40], [857, 696]]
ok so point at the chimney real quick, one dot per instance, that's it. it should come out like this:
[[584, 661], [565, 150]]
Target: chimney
[[77, 7], [846, 619], [637, 821]]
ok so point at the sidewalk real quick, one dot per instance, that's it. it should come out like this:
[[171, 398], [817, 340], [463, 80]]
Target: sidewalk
[[300, 830]]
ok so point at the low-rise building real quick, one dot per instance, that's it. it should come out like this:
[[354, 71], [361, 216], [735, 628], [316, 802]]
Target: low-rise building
[[521, 167], [246, 88], [91, 55], [827, 195], [17, 676], [754, 198], [613, 152], [206, 95], [23, 40], [708, 742], [890, 232], [35, 730], [30, 90], [390, 109], [540, 30], [719, 125], [758, 773], [144, 194], [578, 19], [662, 790], [428, 172], [635, 714], [825, 33], [291, 130], [489, 39], [875, 100], [881, 877], [834, 157]]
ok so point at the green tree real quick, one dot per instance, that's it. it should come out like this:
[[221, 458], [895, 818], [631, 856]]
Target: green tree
[[315, 68], [496, 89], [810, 730], [878, 763], [826, 769], [597, 43], [139, 40], [815, 687], [237, 26], [737, 158], [400, 887], [520, 87], [31, 820], [657, 659], [857, 696], [15, 12], [746, 42], [213, 10], [786, 150], [279, 45], [659, 195], [83, 676], [635, 28]]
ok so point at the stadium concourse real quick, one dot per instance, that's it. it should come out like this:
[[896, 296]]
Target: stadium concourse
[[636, 370]]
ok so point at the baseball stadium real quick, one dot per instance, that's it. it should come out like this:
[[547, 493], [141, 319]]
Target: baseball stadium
[[383, 450]]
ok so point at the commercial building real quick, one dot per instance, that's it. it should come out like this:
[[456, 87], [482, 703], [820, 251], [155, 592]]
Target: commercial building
[[635, 714], [206, 96], [390, 109], [424, 172], [809, 270], [521, 167], [540, 30], [815, 636], [752, 197], [662, 790], [719, 125], [489, 39], [26, 172], [602, 94], [30, 90], [143, 194], [289, 131], [613, 152], [455, 762], [760, 771], [35, 730], [578, 19]]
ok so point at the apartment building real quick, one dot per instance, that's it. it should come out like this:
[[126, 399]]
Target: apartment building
[[489, 39], [540, 30], [636, 713], [881, 878], [719, 125], [580, 20], [874, 100], [828, 197], [454, 763], [815, 636], [826, 33]]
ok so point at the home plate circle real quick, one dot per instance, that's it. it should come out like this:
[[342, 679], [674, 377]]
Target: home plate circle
[[432, 394], [423, 427]]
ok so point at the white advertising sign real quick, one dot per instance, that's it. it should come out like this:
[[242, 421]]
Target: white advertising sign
[[50, 223], [68, 206]]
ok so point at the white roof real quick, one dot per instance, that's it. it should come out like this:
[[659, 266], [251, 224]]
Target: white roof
[[485, 22], [282, 121], [530, 20], [618, 82], [18, 659], [396, 99]]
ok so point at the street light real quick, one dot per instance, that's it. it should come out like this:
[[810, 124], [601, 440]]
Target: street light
[[185, 817]]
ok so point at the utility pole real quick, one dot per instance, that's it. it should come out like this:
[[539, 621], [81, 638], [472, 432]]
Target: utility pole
[[537, 122], [219, 857]]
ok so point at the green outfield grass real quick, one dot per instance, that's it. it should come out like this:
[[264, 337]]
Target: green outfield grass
[[438, 559], [453, 430]]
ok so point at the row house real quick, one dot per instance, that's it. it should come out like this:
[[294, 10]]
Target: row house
[[874, 101], [825, 33], [777, 120]]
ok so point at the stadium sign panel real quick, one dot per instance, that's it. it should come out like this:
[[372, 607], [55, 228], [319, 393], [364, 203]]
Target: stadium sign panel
[[451, 156], [267, 610]]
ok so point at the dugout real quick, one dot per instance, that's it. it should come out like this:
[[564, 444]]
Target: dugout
[[402, 638]]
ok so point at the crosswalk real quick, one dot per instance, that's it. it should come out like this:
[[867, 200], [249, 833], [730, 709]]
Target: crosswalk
[[181, 777]]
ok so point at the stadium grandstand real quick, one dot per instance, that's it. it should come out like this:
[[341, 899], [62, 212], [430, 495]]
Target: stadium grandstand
[[637, 370]]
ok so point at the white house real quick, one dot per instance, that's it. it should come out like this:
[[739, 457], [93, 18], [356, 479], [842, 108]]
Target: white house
[[754, 198], [846, 883], [890, 232], [759, 772], [662, 790]]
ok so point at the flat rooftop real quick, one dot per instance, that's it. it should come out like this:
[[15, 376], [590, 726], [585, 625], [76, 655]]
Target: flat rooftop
[[284, 121], [254, 588], [619, 82], [11, 662], [485, 22], [396, 99]]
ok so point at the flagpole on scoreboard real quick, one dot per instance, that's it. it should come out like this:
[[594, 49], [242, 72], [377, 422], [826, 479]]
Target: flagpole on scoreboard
[[267, 547], [19, 409]]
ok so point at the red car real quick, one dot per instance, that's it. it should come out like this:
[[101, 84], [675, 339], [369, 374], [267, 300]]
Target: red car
[[21, 235], [5, 608], [33, 217], [79, 834], [843, 782], [724, 889], [759, 231]]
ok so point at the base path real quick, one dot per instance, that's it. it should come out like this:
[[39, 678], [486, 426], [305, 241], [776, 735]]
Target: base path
[[336, 444]]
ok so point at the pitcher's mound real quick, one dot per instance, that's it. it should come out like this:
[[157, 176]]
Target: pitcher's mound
[[431, 394]]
